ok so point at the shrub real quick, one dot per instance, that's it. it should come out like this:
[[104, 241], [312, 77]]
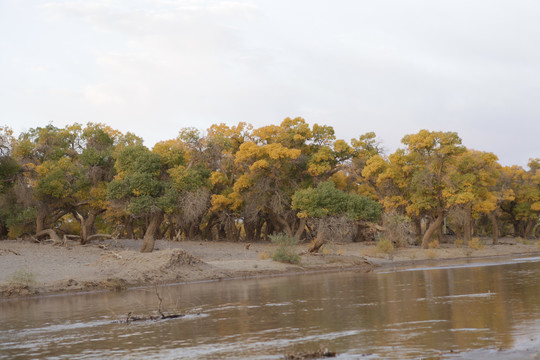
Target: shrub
[[385, 246], [22, 278], [458, 242], [476, 244], [434, 244], [431, 254], [398, 228], [285, 251]]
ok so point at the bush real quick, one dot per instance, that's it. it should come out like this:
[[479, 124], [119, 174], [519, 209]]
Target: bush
[[285, 251], [476, 244], [434, 244], [385, 246], [398, 228], [22, 278]]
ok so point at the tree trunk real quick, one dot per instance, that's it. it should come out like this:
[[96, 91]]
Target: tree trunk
[[495, 226], [52, 234], [433, 226], [153, 227], [418, 229], [318, 242], [249, 229], [301, 228], [40, 220], [285, 225], [128, 225], [528, 229], [467, 230], [84, 233]]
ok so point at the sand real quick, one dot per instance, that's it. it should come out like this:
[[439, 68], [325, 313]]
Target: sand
[[30, 269]]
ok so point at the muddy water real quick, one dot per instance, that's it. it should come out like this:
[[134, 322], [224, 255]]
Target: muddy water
[[482, 311]]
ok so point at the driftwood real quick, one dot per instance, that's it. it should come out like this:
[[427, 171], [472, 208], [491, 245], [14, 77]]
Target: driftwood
[[52, 235], [131, 318], [162, 316], [9, 251], [321, 353], [100, 237]]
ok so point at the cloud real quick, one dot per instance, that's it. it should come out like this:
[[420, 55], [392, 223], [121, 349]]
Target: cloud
[[393, 67]]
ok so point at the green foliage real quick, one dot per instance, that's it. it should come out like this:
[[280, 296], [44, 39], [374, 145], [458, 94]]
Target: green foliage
[[326, 200], [285, 251], [8, 169], [139, 184]]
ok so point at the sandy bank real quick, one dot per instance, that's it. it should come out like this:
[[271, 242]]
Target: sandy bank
[[28, 268]]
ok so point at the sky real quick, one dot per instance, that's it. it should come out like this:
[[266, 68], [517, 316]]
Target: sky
[[394, 67]]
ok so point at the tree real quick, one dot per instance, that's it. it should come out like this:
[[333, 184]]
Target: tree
[[523, 208], [49, 158], [325, 203], [97, 166], [141, 187], [9, 171], [430, 156], [471, 187]]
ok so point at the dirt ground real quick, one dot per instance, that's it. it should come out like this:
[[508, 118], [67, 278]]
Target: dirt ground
[[29, 269]]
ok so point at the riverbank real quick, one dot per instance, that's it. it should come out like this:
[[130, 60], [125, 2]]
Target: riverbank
[[28, 268]]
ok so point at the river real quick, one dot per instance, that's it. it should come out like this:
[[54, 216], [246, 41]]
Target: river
[[467, 311]]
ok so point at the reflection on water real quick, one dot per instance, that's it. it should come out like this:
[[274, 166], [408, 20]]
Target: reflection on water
[[465, 312]]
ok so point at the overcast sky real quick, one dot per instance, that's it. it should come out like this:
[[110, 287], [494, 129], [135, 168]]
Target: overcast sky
[[389, 66]]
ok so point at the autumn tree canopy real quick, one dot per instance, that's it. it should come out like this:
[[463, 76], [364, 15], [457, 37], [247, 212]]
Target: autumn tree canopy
[[245, 183]]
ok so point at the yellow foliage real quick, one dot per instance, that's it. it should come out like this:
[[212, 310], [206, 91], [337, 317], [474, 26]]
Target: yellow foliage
[[340, 178], [246, 151], [340, 146], [299, 138], [236, 201], [267, 132], [316, 169], [217, 177], [220, 202], [434, 244], [278, 151], [259, 164], [243, 182], [171, 152]]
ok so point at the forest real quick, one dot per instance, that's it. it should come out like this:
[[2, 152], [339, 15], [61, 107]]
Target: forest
[[240, 183]]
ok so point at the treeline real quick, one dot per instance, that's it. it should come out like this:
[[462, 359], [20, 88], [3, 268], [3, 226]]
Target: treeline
[[241, 183]]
